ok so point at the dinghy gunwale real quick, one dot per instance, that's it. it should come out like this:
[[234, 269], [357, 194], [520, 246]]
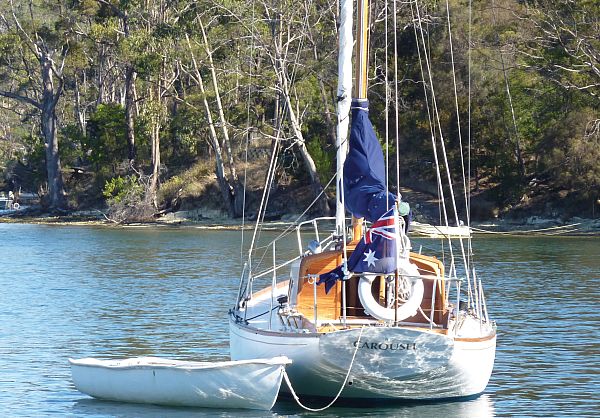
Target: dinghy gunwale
[[163, 363]]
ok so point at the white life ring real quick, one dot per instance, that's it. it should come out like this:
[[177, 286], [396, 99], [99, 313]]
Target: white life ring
[[408, 308], [16, 206]]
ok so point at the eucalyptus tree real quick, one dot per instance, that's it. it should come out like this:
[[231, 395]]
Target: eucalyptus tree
[[155, 44], [225, 184], [35, 41], [213, 62], [565, 46], [119, 36], [286, 46], [561, 45], [205, 58], [142, 41]]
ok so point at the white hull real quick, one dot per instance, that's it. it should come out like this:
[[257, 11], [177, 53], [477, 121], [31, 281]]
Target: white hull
[[251, 384], [391, 362]]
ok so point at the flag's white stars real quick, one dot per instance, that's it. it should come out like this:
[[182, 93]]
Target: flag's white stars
[[370, 258]]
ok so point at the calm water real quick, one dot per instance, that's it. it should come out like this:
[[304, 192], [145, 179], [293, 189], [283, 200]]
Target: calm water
[[104, 292]]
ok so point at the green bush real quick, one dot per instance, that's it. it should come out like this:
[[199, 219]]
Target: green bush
[[106, 142], [324, 160], [119, 189]]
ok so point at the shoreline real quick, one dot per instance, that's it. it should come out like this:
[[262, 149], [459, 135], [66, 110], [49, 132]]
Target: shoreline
[[505, 227]]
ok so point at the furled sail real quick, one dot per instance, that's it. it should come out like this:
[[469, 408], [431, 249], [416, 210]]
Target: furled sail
[[365, 192]]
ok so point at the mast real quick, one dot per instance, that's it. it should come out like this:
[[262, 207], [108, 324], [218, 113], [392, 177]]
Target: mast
[[344, 94], [362, 48], [360, 75]]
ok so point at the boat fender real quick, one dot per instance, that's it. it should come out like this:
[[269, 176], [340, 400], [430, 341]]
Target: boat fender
[[408, 309]]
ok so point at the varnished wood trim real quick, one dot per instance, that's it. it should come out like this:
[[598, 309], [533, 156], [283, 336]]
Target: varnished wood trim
[[474, 340]]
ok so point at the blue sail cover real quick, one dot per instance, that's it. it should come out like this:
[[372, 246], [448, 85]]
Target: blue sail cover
[[366, 196], [365, 192]]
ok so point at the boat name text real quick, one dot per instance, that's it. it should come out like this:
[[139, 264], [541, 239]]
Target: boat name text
[[385, 346]]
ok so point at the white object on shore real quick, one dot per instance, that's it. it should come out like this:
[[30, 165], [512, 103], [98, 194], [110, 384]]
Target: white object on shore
[[247, 384], [439, 231]]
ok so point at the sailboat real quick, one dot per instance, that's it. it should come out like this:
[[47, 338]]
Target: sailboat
[[360, 314]]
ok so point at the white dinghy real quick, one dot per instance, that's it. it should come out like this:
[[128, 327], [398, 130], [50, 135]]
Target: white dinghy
[[247, 384]]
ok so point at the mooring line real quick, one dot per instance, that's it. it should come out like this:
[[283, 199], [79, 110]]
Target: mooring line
[[554, 230], [287, 380]]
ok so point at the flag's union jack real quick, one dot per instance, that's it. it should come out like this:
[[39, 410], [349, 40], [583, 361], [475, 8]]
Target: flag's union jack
[[384, 227]]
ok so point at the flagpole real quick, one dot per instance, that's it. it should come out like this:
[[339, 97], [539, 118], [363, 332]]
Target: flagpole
[[360, 76], [397, 288]]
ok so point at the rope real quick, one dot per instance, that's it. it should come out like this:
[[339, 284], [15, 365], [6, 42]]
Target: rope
[[397, 124], [261, 314], [469, 128], [562, 229], [445, 156], [287, 381], [387, 109], [247, 138], [290, 227], [460, 141]]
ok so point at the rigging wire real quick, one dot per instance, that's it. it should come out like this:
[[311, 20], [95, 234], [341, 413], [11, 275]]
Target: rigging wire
[[470, 254], [248, 133], [429, 116], [396, 100], [466, 186], [445, 156], [421, 44], [459, 128], [387, 107], [276, 146]]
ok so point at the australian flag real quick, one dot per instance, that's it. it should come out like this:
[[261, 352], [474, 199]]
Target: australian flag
[[375, 252]]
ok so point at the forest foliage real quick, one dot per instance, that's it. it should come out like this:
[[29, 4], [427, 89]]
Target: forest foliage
[[135, 93]]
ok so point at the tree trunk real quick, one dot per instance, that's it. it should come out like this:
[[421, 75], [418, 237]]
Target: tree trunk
[[130, 76], [309, 163], [238, 196], [179, 92], [56, 192], [100, 68], [280, 70], [155, 160], [79, 109], [155, 134], [224, 186]]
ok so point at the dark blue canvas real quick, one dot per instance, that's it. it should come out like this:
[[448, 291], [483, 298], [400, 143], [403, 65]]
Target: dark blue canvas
[[365, 193], [329, 278]]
